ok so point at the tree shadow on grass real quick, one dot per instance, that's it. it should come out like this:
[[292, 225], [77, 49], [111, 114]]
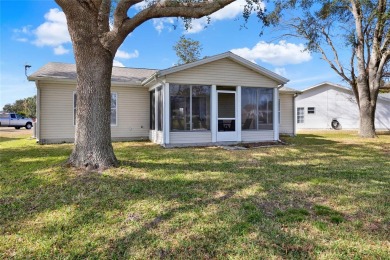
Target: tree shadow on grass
[[7, 139], [192, 202]]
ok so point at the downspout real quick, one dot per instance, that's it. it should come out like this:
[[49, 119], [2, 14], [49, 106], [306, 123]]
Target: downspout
[[295, 114], [38, 113], [276, 113]]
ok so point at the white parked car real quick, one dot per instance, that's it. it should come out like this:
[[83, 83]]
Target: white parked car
[[15, 120]]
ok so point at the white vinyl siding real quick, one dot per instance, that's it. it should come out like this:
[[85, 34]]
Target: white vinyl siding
[[56, 112], [114, 108], [224, 72], [257, 136], [332, 102], [190, 137], [286, 113]]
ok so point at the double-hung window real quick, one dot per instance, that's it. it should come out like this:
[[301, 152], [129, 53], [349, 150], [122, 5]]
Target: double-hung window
[[300, 115], [114, 108]]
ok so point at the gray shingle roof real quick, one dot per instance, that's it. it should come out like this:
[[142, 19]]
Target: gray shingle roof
[[289, 90], [57, 70]]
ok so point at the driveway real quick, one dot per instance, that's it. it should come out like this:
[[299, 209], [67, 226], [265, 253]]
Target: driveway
[[10, 131]]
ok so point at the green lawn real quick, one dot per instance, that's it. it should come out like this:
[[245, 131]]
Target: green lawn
[[324, 196]]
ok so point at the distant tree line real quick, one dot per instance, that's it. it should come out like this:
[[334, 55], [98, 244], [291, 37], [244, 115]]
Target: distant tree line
[[25, 107]]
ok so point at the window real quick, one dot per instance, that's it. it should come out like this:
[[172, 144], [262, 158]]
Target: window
[[113, 108], [257, 108], [300, 115], [13, 116], [190, 107], [279, 111], [311, 110], [159, 94], [152, 110]]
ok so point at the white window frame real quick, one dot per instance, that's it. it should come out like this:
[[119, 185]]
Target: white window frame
[[279, 111], [116, 109], [300, 115], [311, 110], [191, 126]]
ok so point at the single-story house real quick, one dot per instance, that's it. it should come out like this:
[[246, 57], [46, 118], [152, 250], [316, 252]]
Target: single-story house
[[320, 105], [222, 98]]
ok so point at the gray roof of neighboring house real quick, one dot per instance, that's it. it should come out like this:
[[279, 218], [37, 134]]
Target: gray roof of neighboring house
[[380, 96], [57, 70], [289, 90]]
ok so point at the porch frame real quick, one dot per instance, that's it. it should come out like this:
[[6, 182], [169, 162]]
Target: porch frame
[[165, 140]]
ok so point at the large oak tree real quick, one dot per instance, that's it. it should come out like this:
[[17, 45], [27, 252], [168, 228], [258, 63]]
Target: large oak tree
[[363, 27], [97, 29]]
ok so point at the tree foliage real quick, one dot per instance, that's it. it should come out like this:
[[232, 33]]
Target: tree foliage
[[187, 50], [360, 26], [25, 107], [97, 29]]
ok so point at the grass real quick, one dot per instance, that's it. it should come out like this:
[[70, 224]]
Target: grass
[[325, 196]]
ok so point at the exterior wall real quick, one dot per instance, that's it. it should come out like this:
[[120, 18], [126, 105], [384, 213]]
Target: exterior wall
[[330, 103], [133, 112], [56, 113], [382, 116], [192, 137], [335, 103], [286, 114], [257, 136], [156, 136], [221, 72]]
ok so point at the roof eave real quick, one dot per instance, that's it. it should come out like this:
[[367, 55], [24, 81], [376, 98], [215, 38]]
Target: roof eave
[[66, 80], [236, 58]]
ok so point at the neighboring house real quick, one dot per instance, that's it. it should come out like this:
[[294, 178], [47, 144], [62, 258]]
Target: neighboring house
[[321, 104], [223, 98]]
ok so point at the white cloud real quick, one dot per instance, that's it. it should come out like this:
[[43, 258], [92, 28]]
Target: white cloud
[[118, 64], [279, 54], [25, 30], [54, 31], [21, 39], [22, 34], [160, 23], [230, 11], [60, 50], [125, 55], [281, 71]]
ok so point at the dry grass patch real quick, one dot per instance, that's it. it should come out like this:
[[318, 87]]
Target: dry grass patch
[[325, 196]]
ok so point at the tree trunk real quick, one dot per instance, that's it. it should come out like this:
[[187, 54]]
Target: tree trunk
[[367, 122], [92, 148], [367, 107]]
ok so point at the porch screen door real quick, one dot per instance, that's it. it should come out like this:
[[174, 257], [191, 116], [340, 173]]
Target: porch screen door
[[226, 116]]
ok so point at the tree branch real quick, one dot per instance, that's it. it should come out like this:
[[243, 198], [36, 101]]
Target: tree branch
[[173, 9], [378, 32], [341, 73], [384, 60], [330, 43], [353, 77], [120, 14], [104, 17]]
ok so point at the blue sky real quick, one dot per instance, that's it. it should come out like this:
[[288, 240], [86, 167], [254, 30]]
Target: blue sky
[[34, 32]]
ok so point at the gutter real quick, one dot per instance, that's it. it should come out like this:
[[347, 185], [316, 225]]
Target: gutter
[[153, 77]]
